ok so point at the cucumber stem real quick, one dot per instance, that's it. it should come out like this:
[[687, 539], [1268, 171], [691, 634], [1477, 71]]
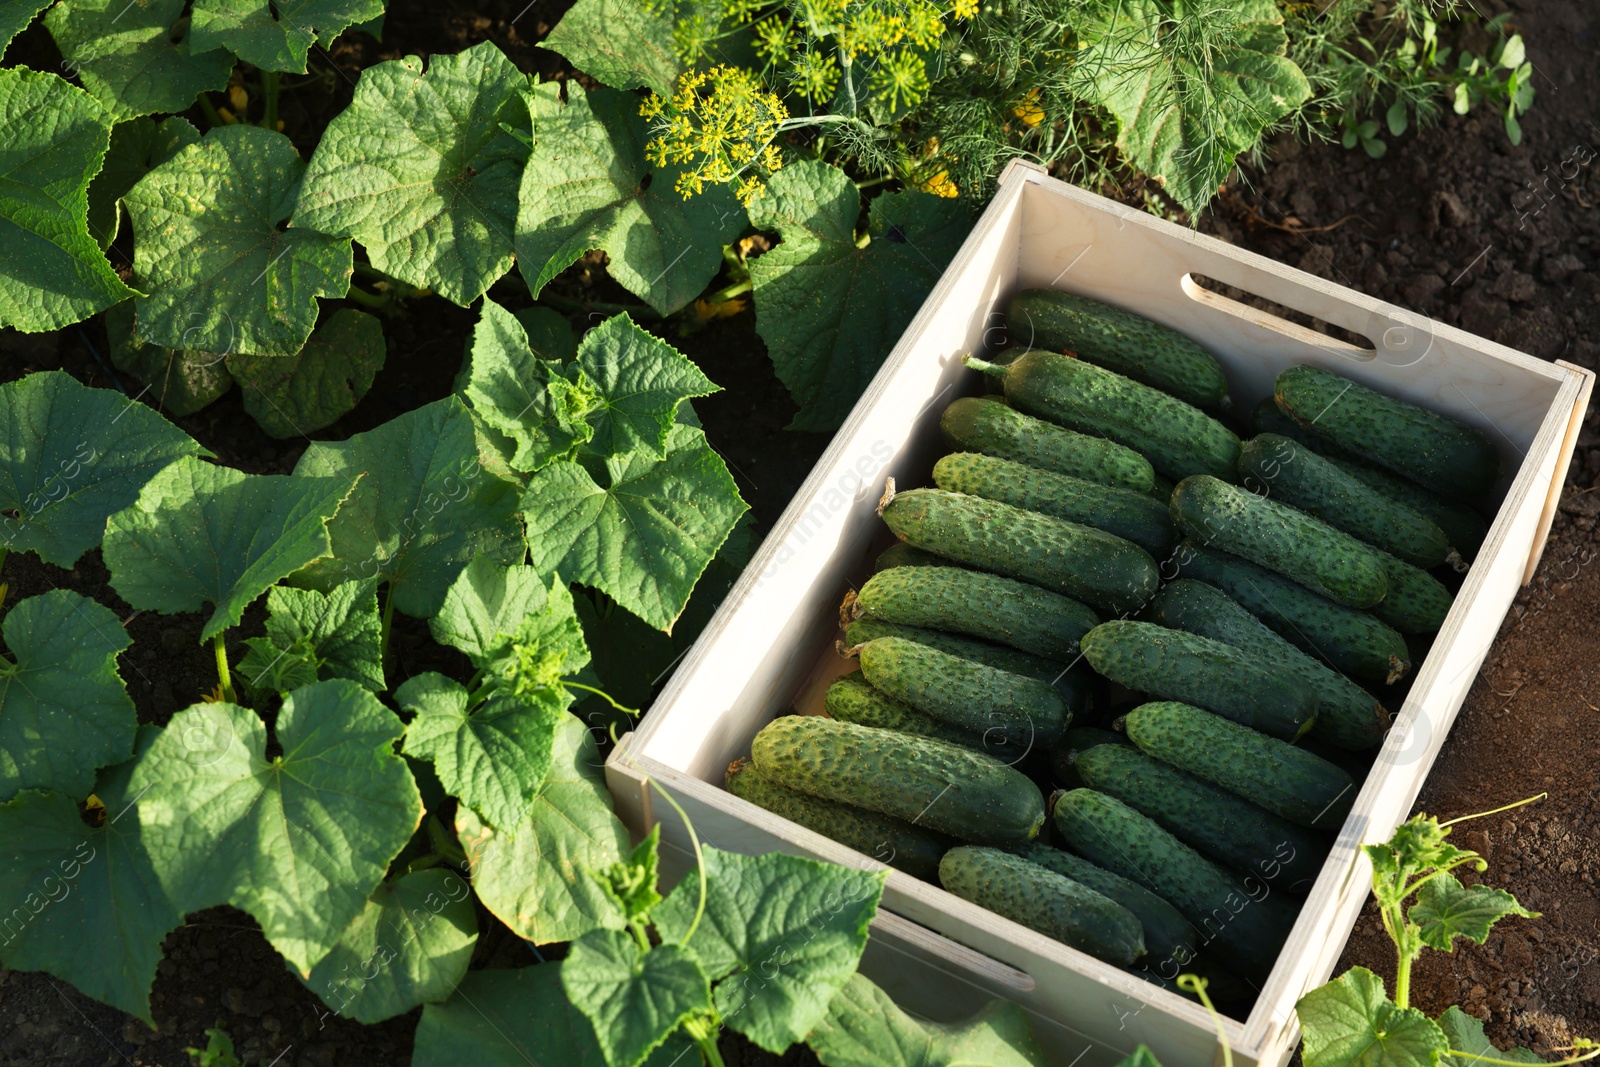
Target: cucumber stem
[[209, 111], [603, 695], [383, 632], [994, 370], [223, 678], [269, 89]]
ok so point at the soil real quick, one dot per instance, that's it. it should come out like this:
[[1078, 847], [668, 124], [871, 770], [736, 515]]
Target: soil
[[1454, 223]]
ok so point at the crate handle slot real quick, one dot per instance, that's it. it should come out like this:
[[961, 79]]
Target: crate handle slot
[[1332, 337]]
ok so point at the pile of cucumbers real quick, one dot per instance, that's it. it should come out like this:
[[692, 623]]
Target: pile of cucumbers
[[1183, 638]]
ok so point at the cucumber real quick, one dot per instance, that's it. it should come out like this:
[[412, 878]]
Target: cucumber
[[901, 554], [995, 704], [1124, 512], [1043, 900], [1347, 715], [1288, 781], [1240, 920], [1118, 340], [1280, 538], [1295, 475], [1349, 640], [1100, 569], [1064, 753], [1167, 934], [1417, 602], [1225, 827], [987, 425], [1197, 670], [1463, 527], [984, 605], [1439, 453], [851, 699], [1177, 438], [1268, 417], [904, 847]]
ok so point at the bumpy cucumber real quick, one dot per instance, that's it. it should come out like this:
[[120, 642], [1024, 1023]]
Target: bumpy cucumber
[[1118, 340], [1351, 641], [943, 787], [1167, 934], [1177, 438], [973, 696], [1463, 527], [1226, 827], [1242, 921], [1043, 900], [1290, 473], [1440, 453], [1280, 538], [984, 605], [1417, 602], [1347, 715], [1100, 569], [1182, 666], [1124, 512], [1268, 417], [901, 554], [1064, 753], [1287, 781], [983, 424], [911, 849], [851, 699]]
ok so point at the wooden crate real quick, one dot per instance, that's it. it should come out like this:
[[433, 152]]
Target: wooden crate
[[769, 647]]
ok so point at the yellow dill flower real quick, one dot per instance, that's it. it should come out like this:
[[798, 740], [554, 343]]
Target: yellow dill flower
[[775, 39], [964, 9], [900, 81], [719, 125], [814, 76], [923, 25]]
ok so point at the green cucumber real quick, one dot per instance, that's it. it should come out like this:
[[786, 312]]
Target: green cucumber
[[1100, 569], [995, 704], [998, 609], [1043, 900], [851, 699], [1124, 512], [1417, 602], [1183, 666], [1347, 715], [904, 847], [1240, 920], [1177, 438], [1295, 475], [1463, 527], [1280, 538], [1268, 417], [1290, 782], [901, 554], [1439, 453], [1225, 827], [943, 787], [1351, 641], [1076, 741], [987, 425], [1167, 934], [1118, 340]]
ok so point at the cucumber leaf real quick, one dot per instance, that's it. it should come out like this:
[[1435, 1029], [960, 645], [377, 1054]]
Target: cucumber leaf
[[646, 538], [70, 456], [864, 1028], [16, 17], [589, 185], [53, 273], [425, 507], [201, 534], [641, 381], [311, 637], [94, 913], [63, 708], [635, 999], [299, 840], [1468, 1043], [180, 382], [437, 206], [276, 35], [532, 876], [618, 43], [490, 609], [754, 905], [292, 396], [1446, 909], [1351, 1020], [223, 276], [410, 945], [124, 54], [137, 146], [828, 310]]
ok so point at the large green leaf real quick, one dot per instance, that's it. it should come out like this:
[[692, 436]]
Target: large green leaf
[[635, 998], [53, 272], [410, 945], [828, 310], [201, 534], [589, 185], [276, 35], [641, 380], [137, 146], [1351, 1022], [532, 878], [646, 538], [15, 17], [1446, 909], [70, 456], [179, 382], [63, 709], [312, 637], [778, 984], [491, 608], [292, 396], [222, 274], [864, 1028], [618, 43], [299, 840], [1468, 1045], [424, 507], [421, 169], [82, 902], [124, 53]]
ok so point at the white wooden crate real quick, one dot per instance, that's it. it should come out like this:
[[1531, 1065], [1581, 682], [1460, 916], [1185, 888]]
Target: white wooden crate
[[770, 644]]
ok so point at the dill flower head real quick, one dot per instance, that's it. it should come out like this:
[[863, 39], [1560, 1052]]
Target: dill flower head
[[718, 125]]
